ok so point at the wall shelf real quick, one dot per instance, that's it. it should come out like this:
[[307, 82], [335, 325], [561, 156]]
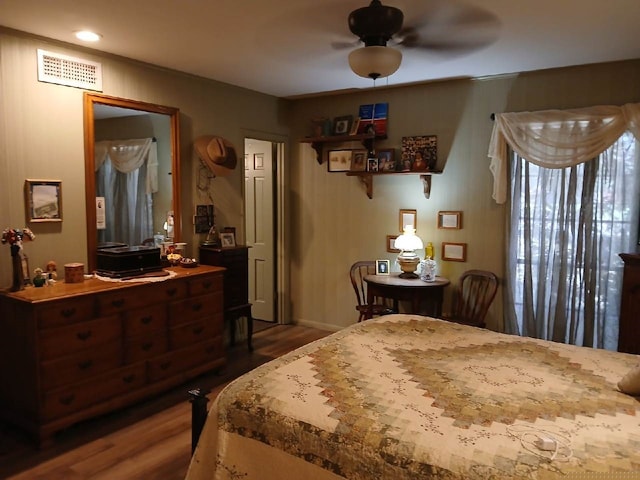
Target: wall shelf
[[367, 179], [318, 143]]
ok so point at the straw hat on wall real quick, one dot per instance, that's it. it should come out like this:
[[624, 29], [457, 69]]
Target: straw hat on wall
[[217, 153]]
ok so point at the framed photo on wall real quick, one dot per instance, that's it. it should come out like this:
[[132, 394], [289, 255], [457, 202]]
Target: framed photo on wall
[[454, 252], [43, 200], [450, 220], [359, 161], [342, 125], [391, 244], [408, 217]]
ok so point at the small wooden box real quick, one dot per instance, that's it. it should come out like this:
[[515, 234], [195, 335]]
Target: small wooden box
[[74, 272]]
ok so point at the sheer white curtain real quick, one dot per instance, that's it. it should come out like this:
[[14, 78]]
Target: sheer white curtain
[[574, 207], [127, 176]]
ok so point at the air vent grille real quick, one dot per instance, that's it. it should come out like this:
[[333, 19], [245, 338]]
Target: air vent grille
[[70, 71]]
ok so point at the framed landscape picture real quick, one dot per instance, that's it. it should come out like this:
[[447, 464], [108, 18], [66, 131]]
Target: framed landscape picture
[[43, 200], [340, 160]]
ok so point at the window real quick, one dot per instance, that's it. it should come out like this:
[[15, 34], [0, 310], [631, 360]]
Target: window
[[567, 227]]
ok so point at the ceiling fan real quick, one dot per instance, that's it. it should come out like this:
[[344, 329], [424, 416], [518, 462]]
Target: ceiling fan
[[446, 27]]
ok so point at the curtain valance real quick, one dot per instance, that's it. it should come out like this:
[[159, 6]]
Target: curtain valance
[[557, 138], [129, 155]]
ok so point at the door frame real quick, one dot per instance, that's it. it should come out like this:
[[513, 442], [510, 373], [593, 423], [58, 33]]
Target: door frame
[[282, 231]]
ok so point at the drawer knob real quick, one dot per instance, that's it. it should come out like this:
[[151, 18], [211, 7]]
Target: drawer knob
[[128, 378], [172, 291], [68, 312], [66, 400], [118, 303], [196, 307], [207, 283], [147, 346], [198, 330], [165, 365], [146, 320], [84, 335], [86, 364]]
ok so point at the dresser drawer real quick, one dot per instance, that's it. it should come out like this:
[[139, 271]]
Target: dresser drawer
[[148, 346], [55, 314], [56, 342], [180, 361], [145, 320], [205, 284], [81, 366], [73, 398], [191, 333], [196, 308], [125, 299]]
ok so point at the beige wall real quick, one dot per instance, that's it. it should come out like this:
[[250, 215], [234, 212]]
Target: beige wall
[[337, 224], [332, 222], [42, 137]]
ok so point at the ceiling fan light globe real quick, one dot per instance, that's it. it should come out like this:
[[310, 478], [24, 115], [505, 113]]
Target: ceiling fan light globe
[[375, 61]]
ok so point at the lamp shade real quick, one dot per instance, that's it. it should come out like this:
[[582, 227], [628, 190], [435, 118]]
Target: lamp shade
[[375, 61], [409, 241]]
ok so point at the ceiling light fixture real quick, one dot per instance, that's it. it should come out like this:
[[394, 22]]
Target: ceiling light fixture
[[374, 25], [375, 61], [87, 36]]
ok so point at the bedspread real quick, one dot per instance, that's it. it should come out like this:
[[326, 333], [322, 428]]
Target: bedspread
[[410, 397]]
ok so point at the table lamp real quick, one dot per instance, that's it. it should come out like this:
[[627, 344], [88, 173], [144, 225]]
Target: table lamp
[[408, 243]]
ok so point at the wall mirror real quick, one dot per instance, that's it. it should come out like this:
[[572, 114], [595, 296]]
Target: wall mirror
[[132, 172]]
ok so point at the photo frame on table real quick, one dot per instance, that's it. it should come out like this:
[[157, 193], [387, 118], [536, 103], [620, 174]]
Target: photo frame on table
[[342, 125], [454, 252], [339, 160], [382, 267], [227, 239], [408, 217], [391, 244], [450, 220], [359, 160], [43, 200]]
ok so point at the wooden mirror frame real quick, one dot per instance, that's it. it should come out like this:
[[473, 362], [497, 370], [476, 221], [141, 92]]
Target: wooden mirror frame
[[90, 100]]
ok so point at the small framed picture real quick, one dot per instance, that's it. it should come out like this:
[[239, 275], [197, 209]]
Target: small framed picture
[[354, 126], [408, 217], [227, 239], [342, 125], [359, 161], [391, 244], [372, 165], [43, 200], [201, 223], [382, 267], [386, 160], [340, 160], [450, 220], [454, 252]]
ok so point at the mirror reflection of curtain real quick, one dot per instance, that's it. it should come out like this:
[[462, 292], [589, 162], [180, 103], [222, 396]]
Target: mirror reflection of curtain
[[127, 176]]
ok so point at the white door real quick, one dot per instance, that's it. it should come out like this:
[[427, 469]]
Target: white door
[[259, 205]]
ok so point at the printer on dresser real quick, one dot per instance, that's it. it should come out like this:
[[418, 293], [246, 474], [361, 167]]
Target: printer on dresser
[[236, 283], [78, 350]]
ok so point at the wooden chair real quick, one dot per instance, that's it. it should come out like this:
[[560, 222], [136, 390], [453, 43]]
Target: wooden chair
[[476, 291], [358, 271]]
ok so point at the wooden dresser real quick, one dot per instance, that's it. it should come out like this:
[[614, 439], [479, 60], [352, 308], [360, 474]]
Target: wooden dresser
[[77, 350], [629, 337], [236, 283]]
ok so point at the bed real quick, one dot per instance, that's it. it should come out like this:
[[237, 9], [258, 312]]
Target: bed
[[411, 397]]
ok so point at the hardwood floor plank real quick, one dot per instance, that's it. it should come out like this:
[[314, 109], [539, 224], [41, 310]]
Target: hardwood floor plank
[[150, 440]]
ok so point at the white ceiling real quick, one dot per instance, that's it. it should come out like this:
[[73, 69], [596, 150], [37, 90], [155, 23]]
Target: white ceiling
[[287, 47]]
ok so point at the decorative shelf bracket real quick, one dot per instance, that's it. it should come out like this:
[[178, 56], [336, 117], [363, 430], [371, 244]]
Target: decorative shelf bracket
[[367, 181], [426, 183]]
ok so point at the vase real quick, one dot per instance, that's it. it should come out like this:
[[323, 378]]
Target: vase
[[18, 275]]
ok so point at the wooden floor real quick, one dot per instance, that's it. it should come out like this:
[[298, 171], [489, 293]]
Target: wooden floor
[[151, 440]]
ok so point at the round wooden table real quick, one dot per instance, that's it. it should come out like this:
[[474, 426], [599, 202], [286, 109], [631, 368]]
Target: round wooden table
[[412, 289]]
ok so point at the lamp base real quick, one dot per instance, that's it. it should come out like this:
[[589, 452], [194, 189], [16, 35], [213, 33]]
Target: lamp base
[[408, 275]]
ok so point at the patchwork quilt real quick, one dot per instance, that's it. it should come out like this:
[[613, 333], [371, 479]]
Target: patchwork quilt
[[411, 397]]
